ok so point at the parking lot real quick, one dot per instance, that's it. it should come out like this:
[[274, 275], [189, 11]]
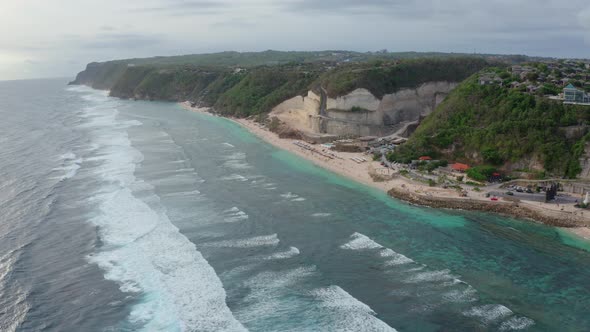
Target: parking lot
[[536, 197]]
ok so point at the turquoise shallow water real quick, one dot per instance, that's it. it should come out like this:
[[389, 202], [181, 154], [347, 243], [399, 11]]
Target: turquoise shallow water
[[444, 270], [181, 221]]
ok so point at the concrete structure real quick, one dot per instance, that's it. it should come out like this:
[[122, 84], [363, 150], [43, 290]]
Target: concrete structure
[[573, 95]]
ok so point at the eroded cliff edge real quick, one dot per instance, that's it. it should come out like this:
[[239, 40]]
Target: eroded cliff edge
[[373, 98], [360, 113]]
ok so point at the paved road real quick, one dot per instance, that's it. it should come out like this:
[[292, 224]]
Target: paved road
[[536, 197]]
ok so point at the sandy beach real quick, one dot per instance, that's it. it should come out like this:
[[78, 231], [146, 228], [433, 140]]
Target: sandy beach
[[420, 193]]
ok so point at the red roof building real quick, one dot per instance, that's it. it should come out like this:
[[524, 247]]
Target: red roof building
[[460, 167]]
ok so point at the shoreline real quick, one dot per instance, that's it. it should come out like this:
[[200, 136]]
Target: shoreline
[[411, 191]]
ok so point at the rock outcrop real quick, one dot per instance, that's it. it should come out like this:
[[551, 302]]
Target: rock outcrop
[[360, 113]]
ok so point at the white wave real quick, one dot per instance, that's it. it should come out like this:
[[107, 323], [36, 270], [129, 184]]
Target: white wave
[[70, 166], [143, 251], [489, 313], [234, 177], [182, 193], [394, 257], [321, 215], [6, 263], [292, 252], [67, 156], [293, 197], [431, 276], [234, 214], [228, 145], [461, 295], [235, 156], [266, 298], [185, 170], [346, 313], [517, 323], [236, 164], [360, 241], [256, 241], [289, 195]]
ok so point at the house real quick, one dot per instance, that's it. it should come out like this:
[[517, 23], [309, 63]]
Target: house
[[574, 95], [516, 70], [425, 158], [532, 88], [459, 167]]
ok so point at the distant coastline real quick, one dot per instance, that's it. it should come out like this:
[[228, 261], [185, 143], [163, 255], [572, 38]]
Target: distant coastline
[[414, 192]]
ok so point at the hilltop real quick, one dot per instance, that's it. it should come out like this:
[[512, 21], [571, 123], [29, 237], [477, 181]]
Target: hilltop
[[507, 119], [244, 84]]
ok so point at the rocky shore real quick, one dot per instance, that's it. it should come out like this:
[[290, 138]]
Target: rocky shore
[[513, 209]]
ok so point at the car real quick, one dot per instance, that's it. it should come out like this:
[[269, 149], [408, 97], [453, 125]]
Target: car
[[529, 191], [519, 190], [509, 193]]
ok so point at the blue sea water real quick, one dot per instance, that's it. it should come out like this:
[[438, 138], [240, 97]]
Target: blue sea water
[[140, 216]]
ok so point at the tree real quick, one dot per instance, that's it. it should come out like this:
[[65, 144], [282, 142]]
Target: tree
[[491, 155]]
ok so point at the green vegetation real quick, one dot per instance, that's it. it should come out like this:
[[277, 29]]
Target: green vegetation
[[247, 84], [380, 77], [262, 89], [490, 124], [480, 173]]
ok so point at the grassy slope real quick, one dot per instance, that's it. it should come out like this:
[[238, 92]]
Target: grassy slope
[[382, 77], [494, 125]]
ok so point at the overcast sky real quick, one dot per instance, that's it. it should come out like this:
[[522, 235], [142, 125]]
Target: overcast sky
[[49, 38]]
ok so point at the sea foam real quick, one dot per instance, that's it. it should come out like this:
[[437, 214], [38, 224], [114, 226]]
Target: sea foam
[[346, 313], [142, 250]]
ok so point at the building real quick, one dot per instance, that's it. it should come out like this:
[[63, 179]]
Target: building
[[459, 167], [572, 94], [516, 70], [489, 79]]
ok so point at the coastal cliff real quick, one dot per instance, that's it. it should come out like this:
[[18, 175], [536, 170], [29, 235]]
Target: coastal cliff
[[514, 131], [360, 113], [364, 97]]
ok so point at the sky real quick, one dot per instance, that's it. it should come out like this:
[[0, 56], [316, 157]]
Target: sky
[[57, 38]]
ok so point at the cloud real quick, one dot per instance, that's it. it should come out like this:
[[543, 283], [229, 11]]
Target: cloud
[[114, 41], [366, 7], [185, 8], [235, 23]]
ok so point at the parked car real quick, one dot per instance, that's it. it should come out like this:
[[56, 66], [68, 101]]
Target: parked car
[[509, 193]]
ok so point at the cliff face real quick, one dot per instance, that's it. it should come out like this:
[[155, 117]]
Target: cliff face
[[359, 112], [352, 98], [101, 76]]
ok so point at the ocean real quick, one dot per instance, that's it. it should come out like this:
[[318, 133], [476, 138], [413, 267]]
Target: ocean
[[120, 215]]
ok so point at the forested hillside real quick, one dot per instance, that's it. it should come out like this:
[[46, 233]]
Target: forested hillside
[[503, 127], [244, 84]]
